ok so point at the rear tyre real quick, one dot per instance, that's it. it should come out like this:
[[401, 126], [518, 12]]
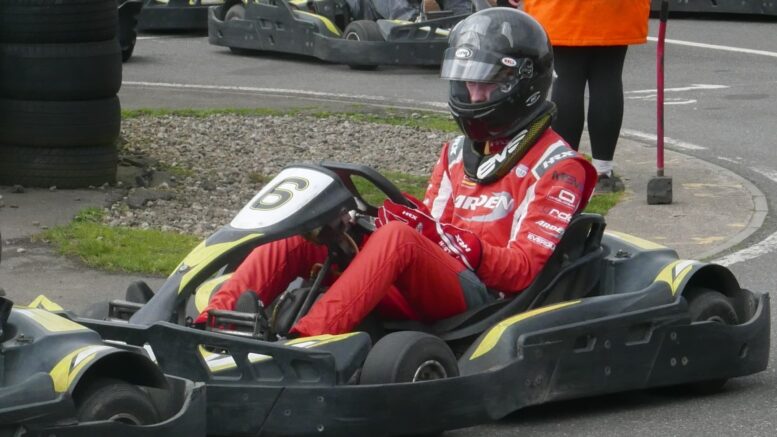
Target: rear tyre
[[362, 30], [115, 400], [711, 306], [408, 356]]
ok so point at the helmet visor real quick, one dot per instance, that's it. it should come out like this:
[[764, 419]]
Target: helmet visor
[[471, 70], [472, 65]]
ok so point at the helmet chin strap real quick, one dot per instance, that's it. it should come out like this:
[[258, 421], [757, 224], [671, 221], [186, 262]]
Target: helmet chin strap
[[491, 165]]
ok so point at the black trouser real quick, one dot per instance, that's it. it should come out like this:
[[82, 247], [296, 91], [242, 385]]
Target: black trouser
[[601, 68]]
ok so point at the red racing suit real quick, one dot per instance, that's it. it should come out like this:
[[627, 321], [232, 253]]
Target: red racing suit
[[519, 219]]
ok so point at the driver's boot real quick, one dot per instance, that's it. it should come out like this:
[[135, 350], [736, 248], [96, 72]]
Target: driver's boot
[[248, 302]]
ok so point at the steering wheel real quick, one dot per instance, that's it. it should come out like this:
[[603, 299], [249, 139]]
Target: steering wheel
[[346, 171]]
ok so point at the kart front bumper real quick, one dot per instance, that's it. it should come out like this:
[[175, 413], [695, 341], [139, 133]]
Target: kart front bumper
[[186, 416]]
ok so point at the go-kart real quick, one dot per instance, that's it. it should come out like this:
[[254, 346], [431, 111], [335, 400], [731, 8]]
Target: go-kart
[[608, 313], [175, 15], [58, 378], [330, 31]]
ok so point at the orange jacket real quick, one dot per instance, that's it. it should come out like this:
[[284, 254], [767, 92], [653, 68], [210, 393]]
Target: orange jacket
[[592, 22]]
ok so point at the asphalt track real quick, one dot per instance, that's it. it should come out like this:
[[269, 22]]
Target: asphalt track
[[721, 108]]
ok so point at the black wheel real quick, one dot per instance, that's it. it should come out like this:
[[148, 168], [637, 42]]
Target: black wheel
[[128, 24], [73, 123], [362, 30], [711, 306], [127, 48], [70, 167], [235, 12], [116, 400], [57, 21], [57, 72], [408, 356]]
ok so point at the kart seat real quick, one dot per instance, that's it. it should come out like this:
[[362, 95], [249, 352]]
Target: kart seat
[[571, 272]]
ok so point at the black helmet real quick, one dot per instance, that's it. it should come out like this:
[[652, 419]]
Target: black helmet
[[510, 51]]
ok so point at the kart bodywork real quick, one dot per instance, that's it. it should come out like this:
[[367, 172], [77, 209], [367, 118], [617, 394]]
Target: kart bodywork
[[47, 363], [320, 29], [746, 7], [177, 15], [608, 313]]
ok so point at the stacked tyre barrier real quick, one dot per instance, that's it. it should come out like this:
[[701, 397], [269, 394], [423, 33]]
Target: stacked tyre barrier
[[60, 71]]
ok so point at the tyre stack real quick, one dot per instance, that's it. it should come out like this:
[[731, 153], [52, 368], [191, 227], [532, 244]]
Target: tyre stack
[[60, 70]]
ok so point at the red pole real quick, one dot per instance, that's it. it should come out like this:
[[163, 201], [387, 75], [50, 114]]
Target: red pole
[[660, 86]]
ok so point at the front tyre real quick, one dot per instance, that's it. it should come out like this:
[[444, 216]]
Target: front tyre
[[408, 356], [115, 400]]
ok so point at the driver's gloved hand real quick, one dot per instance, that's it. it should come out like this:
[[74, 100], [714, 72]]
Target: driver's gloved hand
[[459, 243], [391, 211]]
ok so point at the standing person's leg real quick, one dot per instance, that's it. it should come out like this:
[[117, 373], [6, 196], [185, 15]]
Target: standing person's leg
[[268, 270], [433, 283], [571, 67], [605, 111]]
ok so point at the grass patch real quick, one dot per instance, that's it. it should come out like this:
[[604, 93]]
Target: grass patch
[[601, 203], [414, 185], [119, 249]]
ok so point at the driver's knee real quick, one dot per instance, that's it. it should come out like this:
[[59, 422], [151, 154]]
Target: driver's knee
[[394, 235]]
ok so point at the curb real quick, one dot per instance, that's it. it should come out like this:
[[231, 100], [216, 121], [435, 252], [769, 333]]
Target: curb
[[760, 206]]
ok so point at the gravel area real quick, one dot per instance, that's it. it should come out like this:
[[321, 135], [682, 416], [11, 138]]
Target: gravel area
[[197, 172]]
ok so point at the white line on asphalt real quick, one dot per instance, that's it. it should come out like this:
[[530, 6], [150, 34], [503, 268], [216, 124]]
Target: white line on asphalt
[[717, 47], [733, 161], [651, 138], [767, 173], [692, 87], [298, 93], [761, 248]]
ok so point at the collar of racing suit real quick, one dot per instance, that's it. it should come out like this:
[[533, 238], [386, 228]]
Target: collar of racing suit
[[491, 165]]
